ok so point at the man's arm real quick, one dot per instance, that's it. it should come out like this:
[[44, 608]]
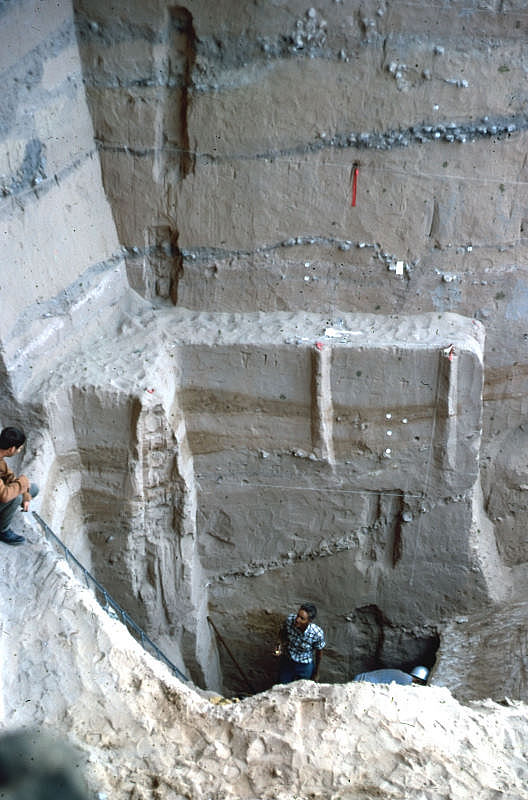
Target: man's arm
[[318, 656], [282, 639], [14, 487]]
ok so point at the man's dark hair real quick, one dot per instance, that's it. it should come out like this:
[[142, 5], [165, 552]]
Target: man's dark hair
[[12, 437], [310, 610]]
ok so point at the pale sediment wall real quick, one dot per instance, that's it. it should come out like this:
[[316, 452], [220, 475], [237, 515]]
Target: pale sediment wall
[[243, 127], [61, 261], [172, 178]]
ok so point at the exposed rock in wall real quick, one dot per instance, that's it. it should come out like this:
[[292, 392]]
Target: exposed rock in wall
[[507, 497], [485, 654], [123, 497]]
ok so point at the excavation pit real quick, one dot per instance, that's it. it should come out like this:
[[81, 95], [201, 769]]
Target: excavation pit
[[252, 474]]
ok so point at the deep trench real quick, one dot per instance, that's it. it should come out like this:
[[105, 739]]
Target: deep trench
[[131, 551]]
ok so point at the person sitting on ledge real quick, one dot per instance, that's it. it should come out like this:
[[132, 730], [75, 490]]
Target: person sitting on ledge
[[12, 441], [300, 646], [417, 675]]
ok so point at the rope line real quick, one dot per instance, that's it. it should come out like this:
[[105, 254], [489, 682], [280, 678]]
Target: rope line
[[232, 657], [298, 487]]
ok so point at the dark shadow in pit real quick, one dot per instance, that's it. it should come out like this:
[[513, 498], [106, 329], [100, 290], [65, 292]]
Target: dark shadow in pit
[[249, 666]]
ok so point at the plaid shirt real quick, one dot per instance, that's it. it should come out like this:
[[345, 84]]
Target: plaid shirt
[[301, 644]]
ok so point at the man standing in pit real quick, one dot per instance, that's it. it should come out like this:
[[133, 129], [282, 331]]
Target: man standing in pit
[[300, 646], [12, 441]]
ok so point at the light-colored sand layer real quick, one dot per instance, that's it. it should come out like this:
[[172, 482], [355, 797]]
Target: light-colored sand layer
[[69, 667]]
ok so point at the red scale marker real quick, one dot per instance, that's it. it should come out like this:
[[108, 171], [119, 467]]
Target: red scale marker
[[354, 186]]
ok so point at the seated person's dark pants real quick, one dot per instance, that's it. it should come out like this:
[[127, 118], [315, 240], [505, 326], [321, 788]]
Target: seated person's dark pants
[[7, 510], [290, 670]]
